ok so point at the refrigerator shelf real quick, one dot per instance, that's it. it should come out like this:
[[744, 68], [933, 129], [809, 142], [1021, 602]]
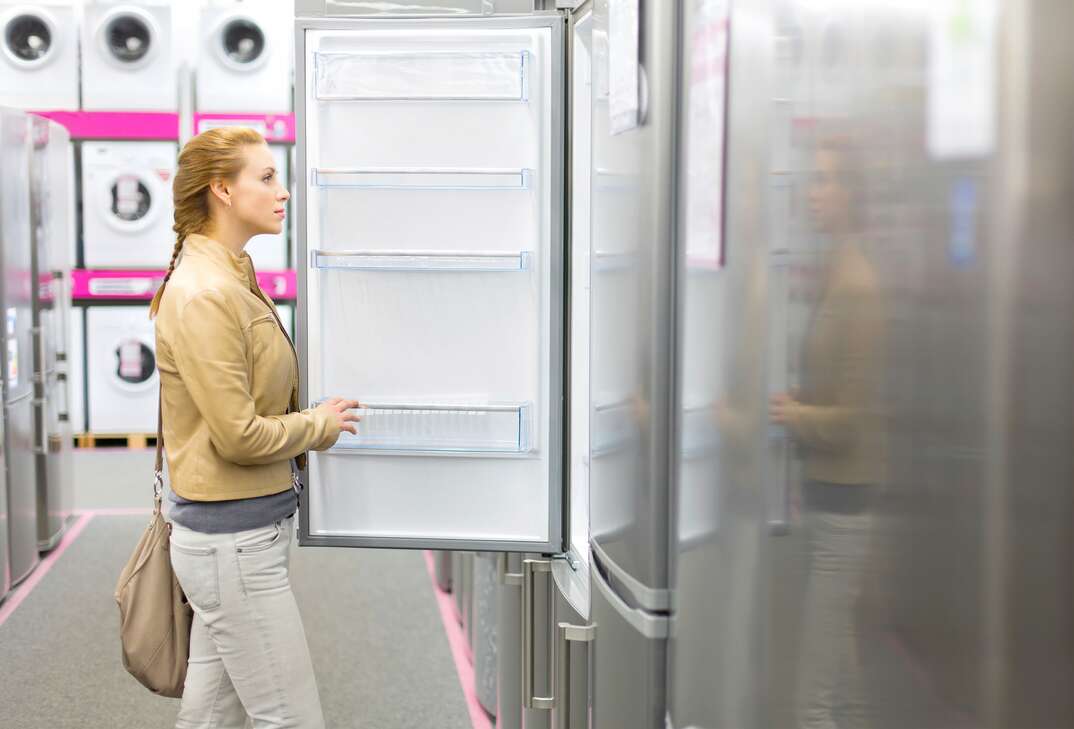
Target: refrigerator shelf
[[421, 261], [439, 428], [423, 179], [422, 76]]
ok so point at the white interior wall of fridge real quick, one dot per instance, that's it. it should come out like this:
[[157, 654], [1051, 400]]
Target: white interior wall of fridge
[[429, 251]]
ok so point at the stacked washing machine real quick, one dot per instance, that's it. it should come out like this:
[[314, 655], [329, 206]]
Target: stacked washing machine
[[244, 66], [39, 58], [128, 65], [128, 59]]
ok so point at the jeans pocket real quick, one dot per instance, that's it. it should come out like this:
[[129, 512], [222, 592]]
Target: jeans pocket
[[258, 540], [198, 574], [262, 557]]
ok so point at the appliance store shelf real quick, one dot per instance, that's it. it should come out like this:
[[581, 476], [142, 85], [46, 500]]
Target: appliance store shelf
[[421, 261], [422, 76], [440, 428], [141, 285]]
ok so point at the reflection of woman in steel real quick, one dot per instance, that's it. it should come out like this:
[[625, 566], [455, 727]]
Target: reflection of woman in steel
[[833, 422]]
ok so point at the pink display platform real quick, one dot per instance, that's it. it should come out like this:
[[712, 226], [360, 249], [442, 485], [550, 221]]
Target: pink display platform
[[276, 128], [141, 285], [137, 125]]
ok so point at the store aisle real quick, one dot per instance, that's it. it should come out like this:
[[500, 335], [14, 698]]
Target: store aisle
[[379, 649]]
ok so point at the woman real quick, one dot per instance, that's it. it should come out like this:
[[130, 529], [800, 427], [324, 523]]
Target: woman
[[834, 421], [229, 394]]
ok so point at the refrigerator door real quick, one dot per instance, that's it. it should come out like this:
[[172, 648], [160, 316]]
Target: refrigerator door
[[16, 354], [572, 575], [430, 287], [716, 646], [629, 662], [631, 303], [632, 337], [52, 199]]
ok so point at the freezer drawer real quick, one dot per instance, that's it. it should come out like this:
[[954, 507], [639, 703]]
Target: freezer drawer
[[629, 662], [21, 485], [430, 285]]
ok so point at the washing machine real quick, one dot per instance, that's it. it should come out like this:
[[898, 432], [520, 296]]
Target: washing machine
[[244, 63], [75, 370], [39, 60], [269, 251], [127, 204], [128, 62], [122, 370]]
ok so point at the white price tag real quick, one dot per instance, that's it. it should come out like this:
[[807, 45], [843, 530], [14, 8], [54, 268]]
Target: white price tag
[[962, 79]]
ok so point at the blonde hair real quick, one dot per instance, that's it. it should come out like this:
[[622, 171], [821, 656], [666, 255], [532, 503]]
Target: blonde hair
[[213, 154]]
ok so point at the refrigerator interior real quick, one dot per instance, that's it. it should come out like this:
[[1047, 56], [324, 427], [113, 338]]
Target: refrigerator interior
[[461, 448]]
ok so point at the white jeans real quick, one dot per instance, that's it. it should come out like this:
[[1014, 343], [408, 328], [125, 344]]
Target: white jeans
[[831, 692], [248, 651]]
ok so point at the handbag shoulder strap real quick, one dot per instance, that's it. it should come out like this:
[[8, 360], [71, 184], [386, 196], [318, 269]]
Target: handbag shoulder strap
[[158, 468]]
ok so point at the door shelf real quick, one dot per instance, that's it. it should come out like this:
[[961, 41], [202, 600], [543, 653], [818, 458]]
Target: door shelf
[[431, 429], [422, 76], [421, 261], [423, 179]]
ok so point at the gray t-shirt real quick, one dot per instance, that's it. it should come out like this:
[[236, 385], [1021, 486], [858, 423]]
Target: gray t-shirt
[[237, 515]]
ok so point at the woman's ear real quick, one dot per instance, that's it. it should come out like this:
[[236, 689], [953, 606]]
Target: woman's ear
[[221, 190]]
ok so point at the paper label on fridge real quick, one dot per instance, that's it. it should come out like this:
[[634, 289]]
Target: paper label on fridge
[[962, 79], [12, 348], [624, 94], [705, 138]]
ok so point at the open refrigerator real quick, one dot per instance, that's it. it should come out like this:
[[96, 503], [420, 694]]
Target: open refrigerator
[[485, 263]]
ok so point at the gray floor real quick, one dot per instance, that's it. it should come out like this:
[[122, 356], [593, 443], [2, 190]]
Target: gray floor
[[379, 650]]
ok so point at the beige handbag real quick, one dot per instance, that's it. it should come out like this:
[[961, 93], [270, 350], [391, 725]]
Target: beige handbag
[[154, 614]]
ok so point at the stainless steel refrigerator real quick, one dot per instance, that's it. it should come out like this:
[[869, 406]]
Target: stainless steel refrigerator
[[901, 174], [16, 354], [491, 225], [53, 205]]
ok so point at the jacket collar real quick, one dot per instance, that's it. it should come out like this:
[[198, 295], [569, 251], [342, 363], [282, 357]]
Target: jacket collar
[[204, 247]]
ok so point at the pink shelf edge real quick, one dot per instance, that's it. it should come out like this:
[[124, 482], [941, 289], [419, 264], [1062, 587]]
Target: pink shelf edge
[[279, 285], [164, 125], [153, 125]]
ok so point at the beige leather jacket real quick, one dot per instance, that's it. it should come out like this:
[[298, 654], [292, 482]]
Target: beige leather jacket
[[229, 381]]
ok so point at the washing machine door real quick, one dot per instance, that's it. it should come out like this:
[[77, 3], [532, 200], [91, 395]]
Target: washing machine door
[[128, 37], [131, 200], [31, 37], [134, 365], [240, 43]]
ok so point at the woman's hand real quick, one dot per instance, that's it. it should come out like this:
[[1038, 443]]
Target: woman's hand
[[341, 410], [780, 406]]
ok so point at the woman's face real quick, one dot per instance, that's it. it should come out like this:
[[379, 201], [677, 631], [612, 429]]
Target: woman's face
[[829, 200], [258, 195]]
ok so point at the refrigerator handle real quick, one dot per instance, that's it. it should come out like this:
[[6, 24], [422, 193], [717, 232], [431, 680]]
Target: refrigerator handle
[[513, 579], [569, 634], [530, 568]]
